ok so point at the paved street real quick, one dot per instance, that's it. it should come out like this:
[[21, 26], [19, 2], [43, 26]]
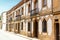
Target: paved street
[[11, 36]]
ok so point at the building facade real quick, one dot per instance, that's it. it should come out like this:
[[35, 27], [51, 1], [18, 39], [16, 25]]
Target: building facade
[[0, 24], [35, 18], [3, 18]]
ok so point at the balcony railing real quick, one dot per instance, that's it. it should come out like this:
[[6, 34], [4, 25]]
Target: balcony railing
[[10, 20], [34, 12]]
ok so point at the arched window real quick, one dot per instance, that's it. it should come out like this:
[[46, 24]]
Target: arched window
[[44, 26]]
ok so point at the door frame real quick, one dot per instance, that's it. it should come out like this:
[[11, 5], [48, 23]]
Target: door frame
[[35, 29], [56, 28]]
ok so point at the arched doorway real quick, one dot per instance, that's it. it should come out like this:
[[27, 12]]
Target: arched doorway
[[44, 26], [35, 28]]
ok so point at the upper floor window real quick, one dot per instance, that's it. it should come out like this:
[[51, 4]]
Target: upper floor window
[[19, 12], [44, 3], [35, 3], [22, 11], [44, 26], [16, 13], [29, 7], [10, 18]]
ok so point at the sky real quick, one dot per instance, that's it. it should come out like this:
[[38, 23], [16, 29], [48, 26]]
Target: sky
[[6, 5]]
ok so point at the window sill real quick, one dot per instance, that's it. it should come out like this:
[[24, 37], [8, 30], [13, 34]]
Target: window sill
[[44, 8], [44, 33]]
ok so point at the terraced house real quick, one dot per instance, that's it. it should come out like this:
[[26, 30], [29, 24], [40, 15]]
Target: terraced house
[[35, 18]]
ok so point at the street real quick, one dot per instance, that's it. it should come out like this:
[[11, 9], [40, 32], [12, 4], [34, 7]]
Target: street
[[11, 36]]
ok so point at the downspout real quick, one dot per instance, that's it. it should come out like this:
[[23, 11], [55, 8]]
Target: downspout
[[31, 18], [52, 7]]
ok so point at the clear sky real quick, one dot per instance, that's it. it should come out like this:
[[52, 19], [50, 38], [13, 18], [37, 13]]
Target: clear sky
[[6, 5]]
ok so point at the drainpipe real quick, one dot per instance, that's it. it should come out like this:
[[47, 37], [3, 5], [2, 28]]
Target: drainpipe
[[31, 18], [52, 7]]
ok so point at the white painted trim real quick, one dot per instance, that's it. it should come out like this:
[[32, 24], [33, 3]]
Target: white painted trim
[[49, 26], [40, 26]]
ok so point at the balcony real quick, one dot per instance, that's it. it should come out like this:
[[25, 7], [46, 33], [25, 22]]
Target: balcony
[[18, 17], [34, 12], [10, 20]]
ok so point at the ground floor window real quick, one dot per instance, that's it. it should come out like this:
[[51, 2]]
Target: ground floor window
[[6, 26], [16, 26], [29, 26], [21, 25], [44, 26]]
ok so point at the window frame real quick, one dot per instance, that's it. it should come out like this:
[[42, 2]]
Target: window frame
[[35, 4], [22, 10], [44, 26], [21, 25], [29, 26], [43, 3], [29, 7]]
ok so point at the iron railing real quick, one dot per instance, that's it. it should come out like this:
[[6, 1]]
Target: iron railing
[[18, 18], [34, 12]]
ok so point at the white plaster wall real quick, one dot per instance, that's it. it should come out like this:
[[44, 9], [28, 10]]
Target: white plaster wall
[[26, 9], [4, 18], [3, 26], [26, 26], [40, 26], [40, 4], [32, 26], [49, 3], [32, 5], [4, 21], [14, 15], [49, 26], [20, 26]]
